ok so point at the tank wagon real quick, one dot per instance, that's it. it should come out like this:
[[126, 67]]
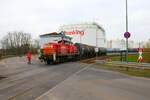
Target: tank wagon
[[57, 47], [87, 51]]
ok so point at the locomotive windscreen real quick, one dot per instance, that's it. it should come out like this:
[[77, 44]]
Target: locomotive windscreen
[[44, 40]]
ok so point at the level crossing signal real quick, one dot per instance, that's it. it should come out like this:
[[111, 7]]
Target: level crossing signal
[[140, 58]]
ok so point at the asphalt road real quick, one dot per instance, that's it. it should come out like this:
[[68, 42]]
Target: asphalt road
[[27, 82], [95, 84], [67, 81]]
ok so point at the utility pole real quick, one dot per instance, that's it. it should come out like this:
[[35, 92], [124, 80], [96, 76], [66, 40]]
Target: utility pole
[[140, 44], [80, 38]]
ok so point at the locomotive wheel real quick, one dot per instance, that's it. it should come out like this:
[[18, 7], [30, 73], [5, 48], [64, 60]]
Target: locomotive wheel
[[76, 57], [48, 62], [57, 60]]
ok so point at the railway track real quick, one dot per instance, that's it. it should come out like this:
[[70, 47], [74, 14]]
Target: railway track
[[92, 60]]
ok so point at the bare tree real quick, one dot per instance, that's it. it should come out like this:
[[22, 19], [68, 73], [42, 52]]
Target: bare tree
[[36, 44], [17, 42], [147, 44], [4, 43]]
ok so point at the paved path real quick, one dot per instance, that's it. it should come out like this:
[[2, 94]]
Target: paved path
[[95, 84], [27, 82], [67, 81]]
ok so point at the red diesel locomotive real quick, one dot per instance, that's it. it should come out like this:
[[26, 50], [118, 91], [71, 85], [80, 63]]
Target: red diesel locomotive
[[59, 48]]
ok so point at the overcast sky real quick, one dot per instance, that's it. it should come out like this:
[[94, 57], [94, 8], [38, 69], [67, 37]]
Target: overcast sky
[[42, 16]]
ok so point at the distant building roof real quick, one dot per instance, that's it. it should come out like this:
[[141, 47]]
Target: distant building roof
[[90, 23], [55, 34], [49, 34], [94, 23]]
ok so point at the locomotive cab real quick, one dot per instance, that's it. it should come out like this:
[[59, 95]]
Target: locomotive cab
[[58, 49]]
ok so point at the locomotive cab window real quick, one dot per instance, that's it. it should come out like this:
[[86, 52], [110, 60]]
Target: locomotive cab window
[[65, 42]]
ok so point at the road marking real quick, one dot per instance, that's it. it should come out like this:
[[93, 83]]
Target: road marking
[[88, 65]]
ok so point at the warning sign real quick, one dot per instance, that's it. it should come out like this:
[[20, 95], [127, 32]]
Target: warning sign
[[140, 58]]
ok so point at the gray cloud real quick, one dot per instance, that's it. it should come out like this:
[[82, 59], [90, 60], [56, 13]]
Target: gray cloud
[[41, 16]]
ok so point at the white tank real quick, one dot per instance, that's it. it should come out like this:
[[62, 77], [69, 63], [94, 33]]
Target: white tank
[[86, 33]]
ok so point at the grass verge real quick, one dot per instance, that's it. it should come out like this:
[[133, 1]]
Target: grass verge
[[133, 58], [8, 56], [130, 71]]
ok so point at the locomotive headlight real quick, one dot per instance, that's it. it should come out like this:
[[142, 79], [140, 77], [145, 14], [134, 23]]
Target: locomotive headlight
[[51, 46], [48, 46]]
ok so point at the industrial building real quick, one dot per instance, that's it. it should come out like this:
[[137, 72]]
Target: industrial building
[[121, 44], [86, 33]]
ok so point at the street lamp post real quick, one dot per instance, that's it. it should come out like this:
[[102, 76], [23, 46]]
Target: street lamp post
[[80, 39], [127, 30], [126, 15], [96, 43]]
